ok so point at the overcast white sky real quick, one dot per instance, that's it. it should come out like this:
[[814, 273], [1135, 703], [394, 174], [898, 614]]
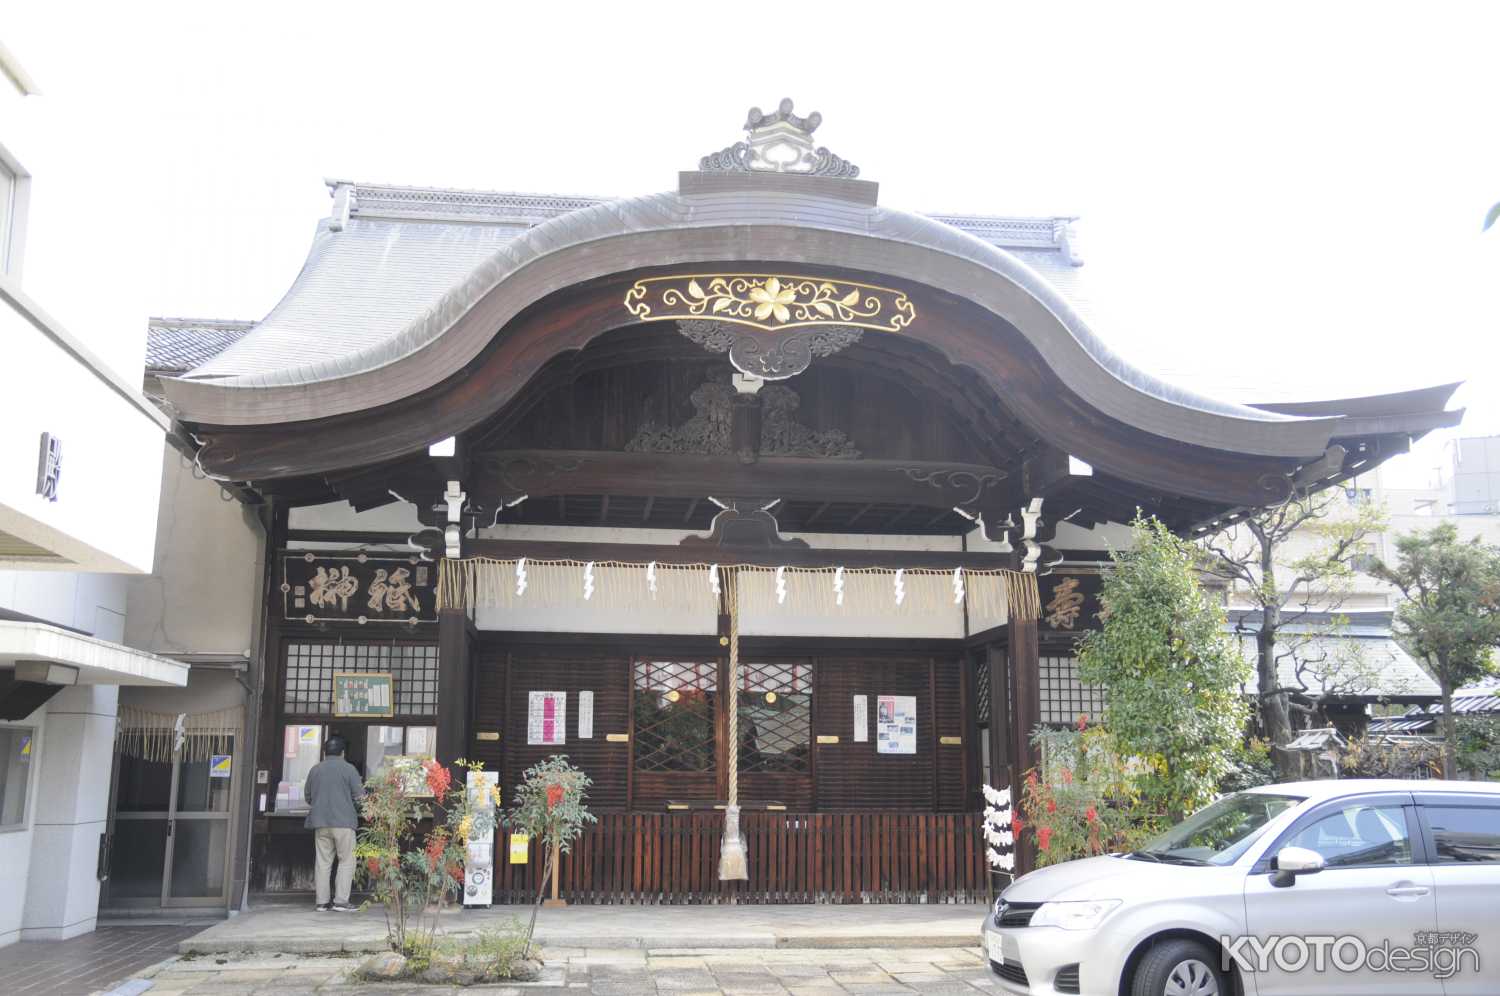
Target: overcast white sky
[[1276, 199]]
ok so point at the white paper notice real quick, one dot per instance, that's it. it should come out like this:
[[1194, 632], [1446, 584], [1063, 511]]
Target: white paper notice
[[861, 719], [585, 715], [896, 724], [547, 719]]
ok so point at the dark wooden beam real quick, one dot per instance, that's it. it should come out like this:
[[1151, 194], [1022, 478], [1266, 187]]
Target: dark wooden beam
[[506, 475], [692, 507], [646, 512], [642, 553]]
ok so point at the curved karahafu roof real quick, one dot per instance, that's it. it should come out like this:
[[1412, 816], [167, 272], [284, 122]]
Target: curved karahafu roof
[[406, 288]]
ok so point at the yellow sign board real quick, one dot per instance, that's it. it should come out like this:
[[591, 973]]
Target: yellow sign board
[[518, 845]]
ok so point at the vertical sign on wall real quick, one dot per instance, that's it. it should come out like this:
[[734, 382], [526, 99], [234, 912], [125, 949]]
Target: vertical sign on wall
[[547, 719], [585, 715], [479, 864], [861, 719]]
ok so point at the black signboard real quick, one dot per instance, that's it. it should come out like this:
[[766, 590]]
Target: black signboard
[[1070, 600], [329, 587]]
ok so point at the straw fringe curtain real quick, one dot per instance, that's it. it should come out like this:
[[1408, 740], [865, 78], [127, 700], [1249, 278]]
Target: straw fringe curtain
[[152, 736], [483, 582]]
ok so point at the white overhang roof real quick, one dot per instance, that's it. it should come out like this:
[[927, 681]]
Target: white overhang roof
[[99, 662]]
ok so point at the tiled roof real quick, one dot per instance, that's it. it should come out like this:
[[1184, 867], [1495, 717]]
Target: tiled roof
[[1357, 660], [176, 345], [391, 256]]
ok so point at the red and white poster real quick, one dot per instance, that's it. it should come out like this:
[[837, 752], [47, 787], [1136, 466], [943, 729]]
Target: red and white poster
[[547, 719]]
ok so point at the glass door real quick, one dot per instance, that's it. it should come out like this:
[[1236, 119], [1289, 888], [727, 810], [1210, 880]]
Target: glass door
[[170, 842]]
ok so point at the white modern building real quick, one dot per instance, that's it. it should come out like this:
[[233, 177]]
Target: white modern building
[[80, 462]]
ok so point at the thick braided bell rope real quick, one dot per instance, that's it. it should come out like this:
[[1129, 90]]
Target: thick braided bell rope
[[734, 864], [732, 595]]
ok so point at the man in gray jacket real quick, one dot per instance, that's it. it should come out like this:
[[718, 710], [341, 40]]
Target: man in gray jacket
[[333, 792]]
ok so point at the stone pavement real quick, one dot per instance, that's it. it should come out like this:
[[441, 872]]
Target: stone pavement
[[86, 963], [302, 930], [610, 972]]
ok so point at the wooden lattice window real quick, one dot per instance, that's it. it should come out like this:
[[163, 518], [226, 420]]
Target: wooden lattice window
[[307, 688], [674, 706], [1064, 697], [775, 716]]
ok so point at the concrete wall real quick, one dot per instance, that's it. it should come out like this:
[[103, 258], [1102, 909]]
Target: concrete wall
[[15, 845], [92, 603], [200, 596], [104, 518]]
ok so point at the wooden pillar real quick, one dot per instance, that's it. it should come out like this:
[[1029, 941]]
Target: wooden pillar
[[1025, 714], [1000, 718], [455, 677]]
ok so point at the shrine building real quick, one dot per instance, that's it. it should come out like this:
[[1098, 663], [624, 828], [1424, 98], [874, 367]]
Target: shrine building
[[756, 490]]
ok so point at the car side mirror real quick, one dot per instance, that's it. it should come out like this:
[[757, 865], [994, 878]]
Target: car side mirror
[[1290, 862]]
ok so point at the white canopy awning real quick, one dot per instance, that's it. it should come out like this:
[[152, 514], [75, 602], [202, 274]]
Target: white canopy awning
[[99, 662]]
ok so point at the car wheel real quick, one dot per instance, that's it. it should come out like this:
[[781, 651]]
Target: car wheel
[[1179, 967]]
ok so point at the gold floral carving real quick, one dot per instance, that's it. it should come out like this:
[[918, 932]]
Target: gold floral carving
[[770, 301]]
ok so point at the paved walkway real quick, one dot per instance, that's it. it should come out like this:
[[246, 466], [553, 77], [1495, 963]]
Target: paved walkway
[[299, 930], [613, 972], [86, 963]]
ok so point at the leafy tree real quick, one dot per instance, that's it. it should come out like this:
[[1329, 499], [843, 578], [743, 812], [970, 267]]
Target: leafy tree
[[1298, 590], [549, 808], [1171, 673], [1450, 612]]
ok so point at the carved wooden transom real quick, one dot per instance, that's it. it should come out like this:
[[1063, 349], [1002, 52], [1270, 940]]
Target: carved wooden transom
[[710, 429]]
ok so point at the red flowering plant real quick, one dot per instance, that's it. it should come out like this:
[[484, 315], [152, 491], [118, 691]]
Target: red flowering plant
[[413, 843], [1080, 800]]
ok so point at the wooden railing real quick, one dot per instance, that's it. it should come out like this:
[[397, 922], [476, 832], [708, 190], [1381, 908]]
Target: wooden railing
[[793, 858]]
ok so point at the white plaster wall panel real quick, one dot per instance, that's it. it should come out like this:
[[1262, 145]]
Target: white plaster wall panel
[[105, 515], [208, 690], [397, 517], [200, 597], [567, 619]]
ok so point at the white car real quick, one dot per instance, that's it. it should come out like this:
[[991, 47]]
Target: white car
[[1329, 887]]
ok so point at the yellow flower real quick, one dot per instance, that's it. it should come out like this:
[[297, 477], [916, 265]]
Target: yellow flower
[[464, 826], [771, 299]]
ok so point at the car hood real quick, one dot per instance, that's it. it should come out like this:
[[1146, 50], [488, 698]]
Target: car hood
[[1112, 878]]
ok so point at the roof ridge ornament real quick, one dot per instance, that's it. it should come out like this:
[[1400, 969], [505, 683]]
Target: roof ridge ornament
[[779, 142]]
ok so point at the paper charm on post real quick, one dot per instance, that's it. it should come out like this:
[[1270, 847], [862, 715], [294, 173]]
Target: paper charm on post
[[998, 835]]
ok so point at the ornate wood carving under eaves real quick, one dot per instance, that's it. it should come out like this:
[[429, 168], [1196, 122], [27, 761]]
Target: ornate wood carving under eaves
[[710, 430], [770, 302], [769, 356], [779, 142]]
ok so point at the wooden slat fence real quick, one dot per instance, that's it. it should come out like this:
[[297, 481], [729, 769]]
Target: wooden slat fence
[[650, 858]]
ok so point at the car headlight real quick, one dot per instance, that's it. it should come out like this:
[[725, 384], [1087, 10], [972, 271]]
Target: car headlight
[[1073, 916]]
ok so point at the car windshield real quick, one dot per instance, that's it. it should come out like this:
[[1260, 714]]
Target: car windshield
[[1220, 833]]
